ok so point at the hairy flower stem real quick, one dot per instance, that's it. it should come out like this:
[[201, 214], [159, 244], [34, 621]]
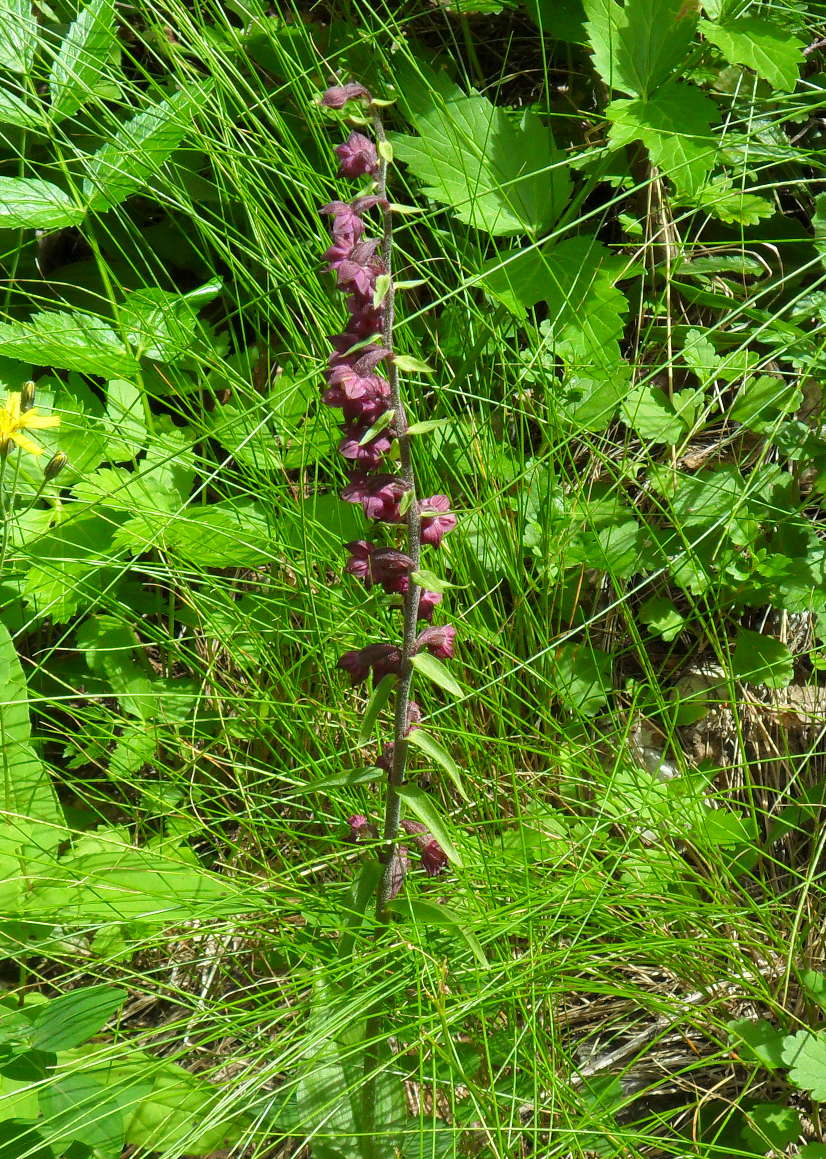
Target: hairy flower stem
[[392, 811]]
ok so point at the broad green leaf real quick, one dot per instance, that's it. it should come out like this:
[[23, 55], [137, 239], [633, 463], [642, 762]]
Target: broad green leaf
[[27, 203], [763, 399], [761, 659], [559, 19], [125, 419], [161, 325], [760, 1039], [78, 1107], [222, 534], [378, 698], [700, 355], [112, 650], [586, 312], [662, 617], [500, 174], [426, 913], [814, 985], [137, 150], [20, 1138], [582, 677], [773, 52], [804, 1054], [82, 58], [638, 46], [67, 341], [675, 126], [67, 566], [18, 35], [769, 1126], [647, 410], [422, 805], [74, 1017], [31, 818], [14, 111], [435, 670], [726, 201], [438, 753], [612, 549]]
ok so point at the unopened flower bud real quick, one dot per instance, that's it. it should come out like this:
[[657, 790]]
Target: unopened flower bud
[[55, 465], [27, 397]]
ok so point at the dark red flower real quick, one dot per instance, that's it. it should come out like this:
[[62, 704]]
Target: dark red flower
[[360, 829], [436, 525], [382, 659], [357, 156], [379, 495], [439, 641], [338, 96], [399, 868], [433, 857], [414, 715], [369, 454]]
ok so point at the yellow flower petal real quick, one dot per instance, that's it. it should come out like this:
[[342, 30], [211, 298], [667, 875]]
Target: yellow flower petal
[[25, 443], [39, 422]]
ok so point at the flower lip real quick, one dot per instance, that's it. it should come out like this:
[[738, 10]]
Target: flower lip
[[337, 96]]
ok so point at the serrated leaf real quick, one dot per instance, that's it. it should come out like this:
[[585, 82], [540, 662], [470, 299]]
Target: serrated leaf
[[28, 203], [774, 53], [647, 410], [612, 549], [18, 35], [137, 150], [67, 341], [498, 174], [586, 311], [14, 111], [638, 46], [675, 126], [125, 420], [66, 567], [80, 63], [427, 913], [434, 670], [377, 701], [730, 204], [761, 659], [432, 748], [804, 1054], [159, 324], [419, 803], [700, 355]]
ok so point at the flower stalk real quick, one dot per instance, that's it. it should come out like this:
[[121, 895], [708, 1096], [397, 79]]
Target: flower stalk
[[376, 433]]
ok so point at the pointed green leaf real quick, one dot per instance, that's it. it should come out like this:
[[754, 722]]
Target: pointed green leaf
[[773, 52], [409, 364], [498, 174], [73, 1018], [424, 428], [638, 46], [28, 203], [422, 805], [18, 35], [675, 126], [427, 913], [381, 424], [435, 670], [82, 59], [432, 748], [67, 341], [377, 701], [429, 580], [14, 111], [138, 149]]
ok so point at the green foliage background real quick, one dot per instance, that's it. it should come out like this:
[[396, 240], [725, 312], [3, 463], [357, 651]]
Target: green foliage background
[[616, 216]]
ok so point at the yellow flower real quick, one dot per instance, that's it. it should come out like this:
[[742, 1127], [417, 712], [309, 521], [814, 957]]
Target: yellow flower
[[14, 421]]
